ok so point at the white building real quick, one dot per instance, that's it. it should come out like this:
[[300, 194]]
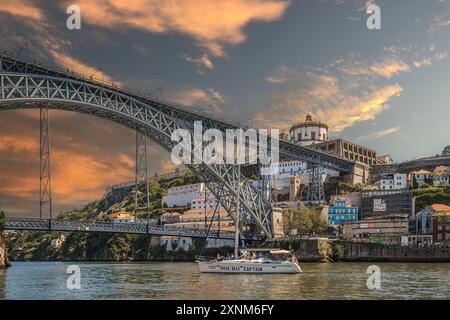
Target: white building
[[394, 181], [202, 215], [284, 172], [384, 159], [56, 243], [176, 243], [122, 217], [308, 132], [441, 176], [421, 177], [182, 196]]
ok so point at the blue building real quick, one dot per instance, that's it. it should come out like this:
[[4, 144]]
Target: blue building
[[339, 213]]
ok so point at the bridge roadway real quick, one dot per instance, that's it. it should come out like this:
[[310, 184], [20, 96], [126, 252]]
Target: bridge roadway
[[20, 224]]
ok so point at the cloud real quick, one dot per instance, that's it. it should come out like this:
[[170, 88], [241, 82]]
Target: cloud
[[22, 8], [197, 97], [212, 24], [203, 62], [379, 134], [341, 94], [75, 65], [390, 68], [386, 68], [423, 62], [88, 153], [284, 74]]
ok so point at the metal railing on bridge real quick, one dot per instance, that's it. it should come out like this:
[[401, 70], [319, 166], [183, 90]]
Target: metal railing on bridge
[[114, 227]]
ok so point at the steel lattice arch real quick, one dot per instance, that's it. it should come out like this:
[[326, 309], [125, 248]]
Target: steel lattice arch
[[25, 85]]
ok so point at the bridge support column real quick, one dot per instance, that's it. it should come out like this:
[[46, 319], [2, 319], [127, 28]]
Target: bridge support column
[[316, 194], [45, 190], [141, 200]]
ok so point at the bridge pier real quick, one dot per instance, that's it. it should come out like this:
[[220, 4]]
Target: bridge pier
[[45, 190]]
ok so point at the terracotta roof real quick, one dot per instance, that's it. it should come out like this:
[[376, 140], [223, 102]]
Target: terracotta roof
[[441, 170], [440, 207], [422, 172]]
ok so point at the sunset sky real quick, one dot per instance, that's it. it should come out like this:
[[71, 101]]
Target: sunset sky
[[263, 62]]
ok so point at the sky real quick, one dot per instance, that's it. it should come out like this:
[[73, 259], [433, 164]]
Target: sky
[[264, 63]]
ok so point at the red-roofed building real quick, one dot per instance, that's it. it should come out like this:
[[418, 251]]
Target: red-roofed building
[[441, 223]]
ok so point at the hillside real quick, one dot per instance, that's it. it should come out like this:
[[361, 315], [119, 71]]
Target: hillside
[[36, 246]]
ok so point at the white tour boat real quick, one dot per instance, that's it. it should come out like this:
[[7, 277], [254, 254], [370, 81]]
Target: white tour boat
[[250, 260], [253, 261]]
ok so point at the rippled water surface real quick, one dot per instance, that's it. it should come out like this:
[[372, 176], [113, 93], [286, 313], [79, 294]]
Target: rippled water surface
[[47, 280]]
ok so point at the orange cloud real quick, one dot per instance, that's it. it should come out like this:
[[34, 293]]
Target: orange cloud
[[73, 64], [22, 8], [15, 144], [194, 96], [212, 23], [390, 68], [340, 102], [379, 134], [82, 178]]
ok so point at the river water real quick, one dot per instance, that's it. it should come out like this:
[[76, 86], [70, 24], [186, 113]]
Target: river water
[[48, 280]]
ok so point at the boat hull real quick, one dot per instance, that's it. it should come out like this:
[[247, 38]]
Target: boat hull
[[231, 266]]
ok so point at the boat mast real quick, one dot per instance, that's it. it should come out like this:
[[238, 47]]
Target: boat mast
[[238, 189]]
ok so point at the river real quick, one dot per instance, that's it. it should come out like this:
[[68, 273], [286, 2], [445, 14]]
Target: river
[[48, 280]]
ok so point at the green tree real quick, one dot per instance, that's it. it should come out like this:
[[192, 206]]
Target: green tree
[[446, 151], [2, 220], [308, 220]]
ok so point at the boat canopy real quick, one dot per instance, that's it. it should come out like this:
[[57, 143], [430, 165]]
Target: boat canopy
[[280, 252], [271, 250]]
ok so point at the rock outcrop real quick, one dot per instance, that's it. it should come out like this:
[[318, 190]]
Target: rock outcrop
[[4, 263]]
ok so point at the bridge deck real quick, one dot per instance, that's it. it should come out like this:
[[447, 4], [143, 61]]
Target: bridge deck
[[111, 227]]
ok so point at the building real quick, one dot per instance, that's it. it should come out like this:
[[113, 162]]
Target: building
[[278, 218], [420, 177], [351, 199], [364, 157], [169, 217], [204, 214], [56, 243], [122, 217], [387, 202], [182, 196], [308, 132], [441, 223], [384, 159], [424, 221], [348, 150], [386, 227], [395, 181], [288, 176], [441, 176], [339, 212]]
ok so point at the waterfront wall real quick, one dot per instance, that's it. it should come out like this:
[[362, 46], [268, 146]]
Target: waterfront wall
[[325, 250], [371, 252], [306, 250]]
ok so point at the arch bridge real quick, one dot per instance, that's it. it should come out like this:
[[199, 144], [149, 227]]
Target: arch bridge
[[26, 84]]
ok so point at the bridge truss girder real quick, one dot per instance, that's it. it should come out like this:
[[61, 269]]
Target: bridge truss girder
[[30, 84], [36, 91]]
